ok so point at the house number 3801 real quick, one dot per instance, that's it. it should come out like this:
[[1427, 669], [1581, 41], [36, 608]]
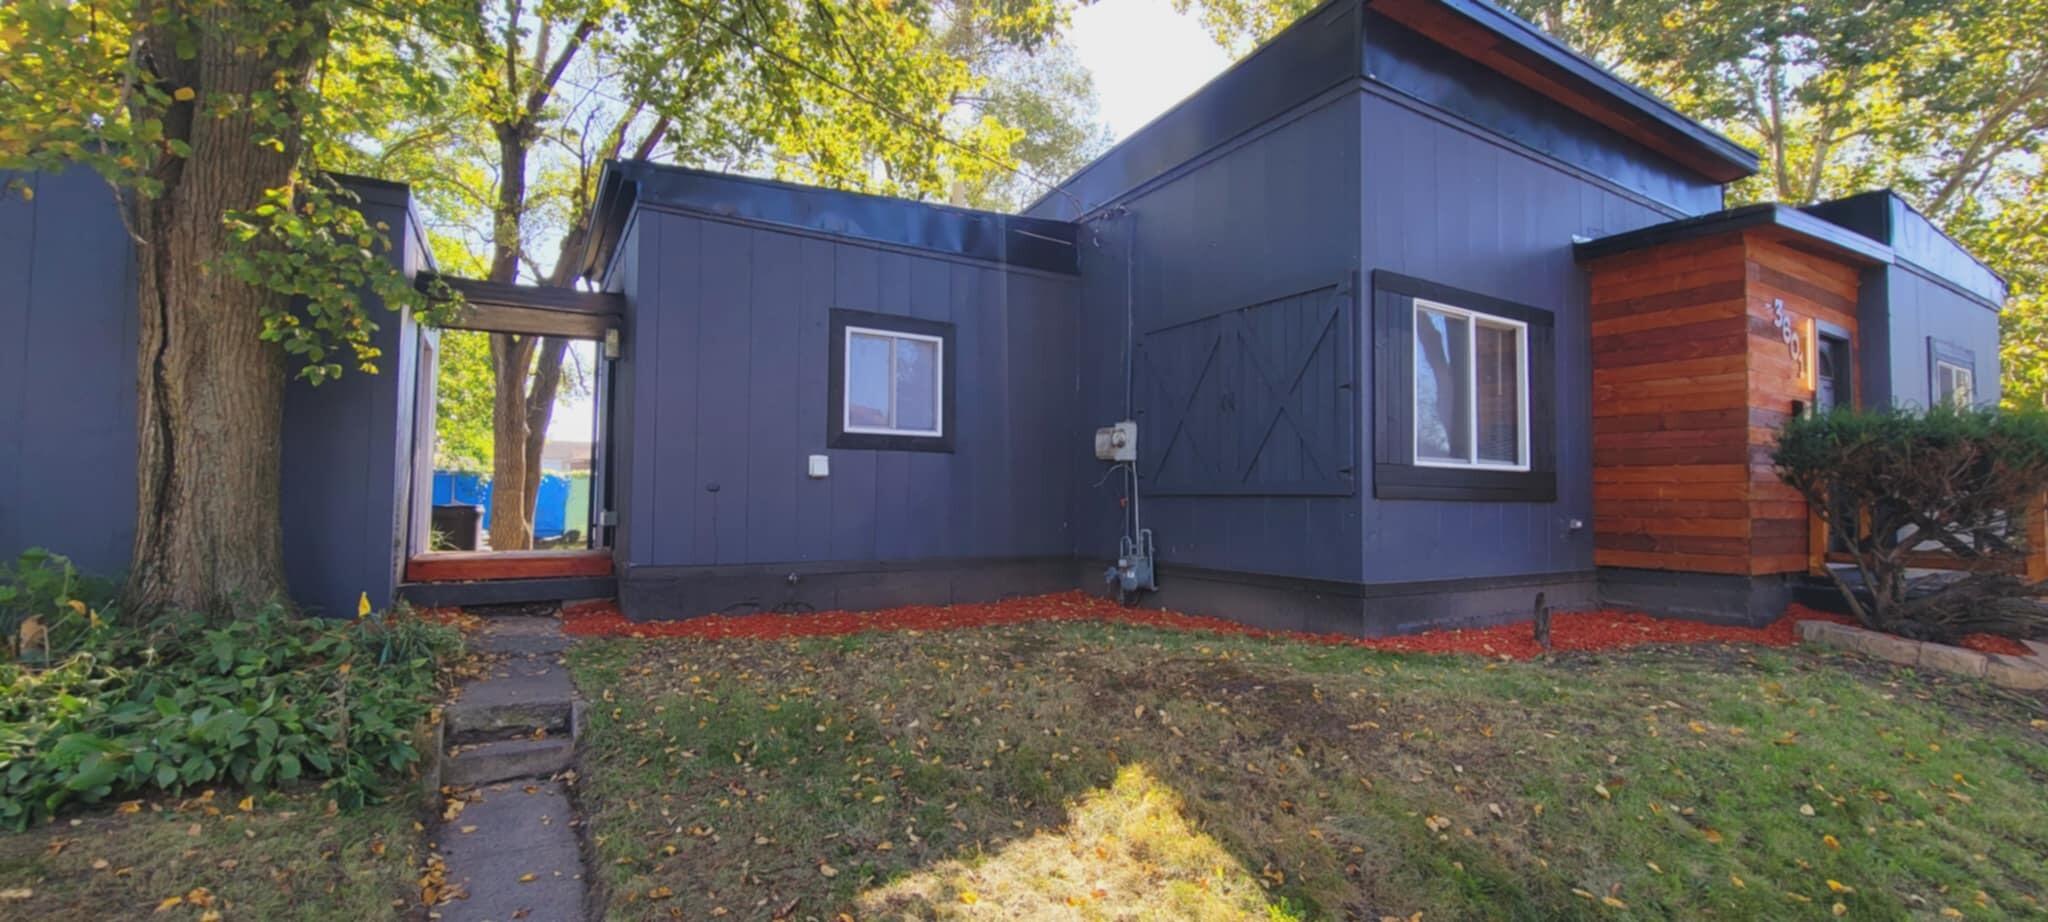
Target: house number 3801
[[1789, 332]]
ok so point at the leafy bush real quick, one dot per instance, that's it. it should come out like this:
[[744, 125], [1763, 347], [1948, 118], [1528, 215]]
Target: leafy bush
[[262, 699], [1896, 483], [45, 592]]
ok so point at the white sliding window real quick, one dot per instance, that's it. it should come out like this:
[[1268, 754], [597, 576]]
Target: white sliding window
[[1471, 389], [895, 383]]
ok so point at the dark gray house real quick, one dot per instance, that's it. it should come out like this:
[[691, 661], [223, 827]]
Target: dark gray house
[[1414, 314]]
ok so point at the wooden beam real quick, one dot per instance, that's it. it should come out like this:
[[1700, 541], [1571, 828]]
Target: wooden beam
[[495, 307], [463, 566], [498, 318], [538, 297]]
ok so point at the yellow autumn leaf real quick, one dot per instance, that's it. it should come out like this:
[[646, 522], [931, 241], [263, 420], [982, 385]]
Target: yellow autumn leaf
[[246, 804], [1839, 909], [1616, 903], [1830, 841], [170, 902], [78, 606], [363, 606], [969, 897], [183, 94], [526, 878], [1839, 887]]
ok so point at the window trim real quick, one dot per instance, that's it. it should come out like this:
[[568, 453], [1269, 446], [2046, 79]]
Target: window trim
[[869, 438], [938, 382], [1474, 320], [1942, 352], [1395, 475], [1957, 370]]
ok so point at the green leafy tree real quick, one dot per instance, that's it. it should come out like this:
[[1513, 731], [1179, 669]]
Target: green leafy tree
[[843, 93], [204, 116], [1945, 102]]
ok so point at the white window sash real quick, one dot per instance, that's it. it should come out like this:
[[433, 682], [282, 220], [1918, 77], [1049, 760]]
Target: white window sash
[[1474, 321], [1961, 380], [846, 423]]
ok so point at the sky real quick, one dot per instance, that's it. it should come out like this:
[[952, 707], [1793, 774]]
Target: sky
[[1145, 57]]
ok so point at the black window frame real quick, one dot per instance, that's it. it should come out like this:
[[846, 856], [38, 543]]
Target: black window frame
[[836, 435], [1395, 473]]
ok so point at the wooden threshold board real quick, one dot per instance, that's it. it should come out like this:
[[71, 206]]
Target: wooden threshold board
[[469, 566]]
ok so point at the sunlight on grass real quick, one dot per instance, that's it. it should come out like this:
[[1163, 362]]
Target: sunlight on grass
[[1127, 852]]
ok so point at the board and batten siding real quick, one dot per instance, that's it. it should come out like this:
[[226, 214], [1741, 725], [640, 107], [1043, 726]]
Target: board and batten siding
[[1449, 204], [67, 404], [1237, 271], [67, 372], [723, 397]]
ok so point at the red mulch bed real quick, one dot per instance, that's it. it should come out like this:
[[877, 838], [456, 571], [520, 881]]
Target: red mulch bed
[[1594, 630]]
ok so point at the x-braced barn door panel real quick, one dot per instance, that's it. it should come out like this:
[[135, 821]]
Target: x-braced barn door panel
[[1255, 401]]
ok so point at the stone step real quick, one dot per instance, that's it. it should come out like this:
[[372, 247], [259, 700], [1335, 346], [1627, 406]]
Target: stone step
[[502, 760], [512, 854], [523, 694]]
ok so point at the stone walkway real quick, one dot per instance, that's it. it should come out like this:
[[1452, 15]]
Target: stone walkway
[[508, 833]]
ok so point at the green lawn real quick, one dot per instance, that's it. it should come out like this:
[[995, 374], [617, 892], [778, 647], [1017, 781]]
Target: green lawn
[[1095, 771], [285, 858]]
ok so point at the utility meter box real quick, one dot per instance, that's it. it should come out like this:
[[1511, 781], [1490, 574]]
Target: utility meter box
[[1118, 442]]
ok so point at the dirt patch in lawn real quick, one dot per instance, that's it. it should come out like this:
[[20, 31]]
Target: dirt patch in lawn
[[1106, 770], [210, 857]]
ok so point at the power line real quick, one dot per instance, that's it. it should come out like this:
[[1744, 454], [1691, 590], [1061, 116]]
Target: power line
[[891, 112]]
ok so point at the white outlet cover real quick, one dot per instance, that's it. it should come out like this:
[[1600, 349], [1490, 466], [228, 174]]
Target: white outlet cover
[[820, 467]]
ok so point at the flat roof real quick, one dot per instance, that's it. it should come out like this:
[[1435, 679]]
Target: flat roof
[[1035, 243], [1578, 82], [1817, 234], [1299, 61]]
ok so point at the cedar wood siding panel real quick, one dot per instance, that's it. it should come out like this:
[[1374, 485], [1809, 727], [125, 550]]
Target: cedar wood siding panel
[[1450, 206], [67, 372], [1670, 423], [728, 386], [1813, 288], [1272, 217]]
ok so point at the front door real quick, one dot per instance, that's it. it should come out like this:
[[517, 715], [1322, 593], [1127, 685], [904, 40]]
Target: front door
[[1831, 376]]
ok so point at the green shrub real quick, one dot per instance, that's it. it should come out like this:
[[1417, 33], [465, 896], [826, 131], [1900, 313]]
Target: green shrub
[[1894, 483], [266, 698], [45, 587]]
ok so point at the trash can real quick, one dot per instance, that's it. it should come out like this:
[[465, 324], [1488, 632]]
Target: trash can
[[457, 526]]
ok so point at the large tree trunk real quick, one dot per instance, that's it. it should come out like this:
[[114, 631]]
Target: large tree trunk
[[209, 390], [511, 505], [511, 355]]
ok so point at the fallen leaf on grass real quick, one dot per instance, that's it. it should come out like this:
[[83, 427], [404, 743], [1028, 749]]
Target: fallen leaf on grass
[[16, 893]]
